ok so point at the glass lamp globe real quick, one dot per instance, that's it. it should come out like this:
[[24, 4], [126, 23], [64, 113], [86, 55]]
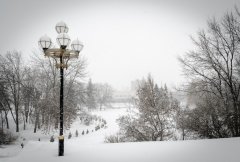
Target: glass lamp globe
[[63, 40], [45, 42], [77, 45], [61, 27]]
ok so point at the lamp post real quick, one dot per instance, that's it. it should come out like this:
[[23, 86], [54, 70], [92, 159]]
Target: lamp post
[[61, 56]]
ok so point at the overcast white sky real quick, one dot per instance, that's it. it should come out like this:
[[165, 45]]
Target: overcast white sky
[[124, 39]]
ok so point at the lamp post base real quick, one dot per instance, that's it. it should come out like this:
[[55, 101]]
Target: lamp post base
[[61, 147]]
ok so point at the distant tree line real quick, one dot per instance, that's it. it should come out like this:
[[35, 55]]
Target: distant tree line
[[98, 95]]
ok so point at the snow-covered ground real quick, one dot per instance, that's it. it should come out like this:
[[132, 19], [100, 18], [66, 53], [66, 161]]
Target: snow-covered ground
[[91, 148]]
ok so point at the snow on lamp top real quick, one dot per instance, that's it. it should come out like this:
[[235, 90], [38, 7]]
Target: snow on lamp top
[[77, 45], [45, 42], [61, 27], [63, 40]]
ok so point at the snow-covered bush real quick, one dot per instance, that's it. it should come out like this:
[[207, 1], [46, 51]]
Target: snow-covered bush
[[76, 133], [6, 137], [52, 139], [69, 135], [104, 121], [97, 127], [113, 139]]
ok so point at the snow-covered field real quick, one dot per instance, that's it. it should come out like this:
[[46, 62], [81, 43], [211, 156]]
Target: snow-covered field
[[91, 148]]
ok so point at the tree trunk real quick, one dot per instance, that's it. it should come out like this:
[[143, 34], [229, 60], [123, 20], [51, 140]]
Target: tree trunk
[[2, 120], [24, 124], [38, 121], [235, 117], [35, 125], [6, 118], [9, 107], [183, 134], [43, 118], [17, 121], [161, 134], [56, 124], [26, 112]]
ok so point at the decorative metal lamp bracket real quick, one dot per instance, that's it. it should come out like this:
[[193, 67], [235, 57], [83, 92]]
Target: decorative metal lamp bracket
[[64, 53]]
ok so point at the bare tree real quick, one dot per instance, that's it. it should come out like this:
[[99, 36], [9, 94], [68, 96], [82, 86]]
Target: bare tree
[[155, 116], [213, 73], [11, 68], [47, 85], [4, 104]]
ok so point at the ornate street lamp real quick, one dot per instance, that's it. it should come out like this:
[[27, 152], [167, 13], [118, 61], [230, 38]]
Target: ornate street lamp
[[61, 56]]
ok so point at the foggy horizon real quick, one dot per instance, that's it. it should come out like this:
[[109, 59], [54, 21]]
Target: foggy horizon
[[123, 40]]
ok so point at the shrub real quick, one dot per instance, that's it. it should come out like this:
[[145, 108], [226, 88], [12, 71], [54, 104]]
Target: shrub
[[6, 137], [97, 127], [113, 139], [69, 135], [76, 133], [52, 139]]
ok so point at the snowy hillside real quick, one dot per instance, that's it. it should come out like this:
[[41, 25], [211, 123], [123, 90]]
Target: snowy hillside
[[91, 148]]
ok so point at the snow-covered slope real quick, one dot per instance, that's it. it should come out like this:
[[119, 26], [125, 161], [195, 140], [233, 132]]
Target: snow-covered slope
[[91, 148]]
